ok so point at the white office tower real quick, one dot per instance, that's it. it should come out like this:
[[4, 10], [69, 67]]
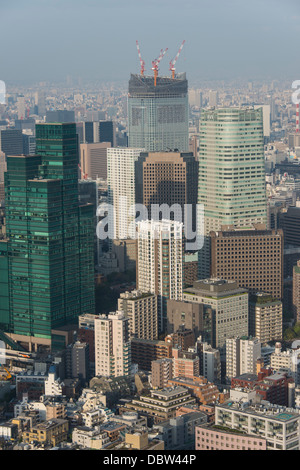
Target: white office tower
[[160, 259], [195, 98], [211, 363], [250, 352], [21, 107], [213, 99], [121, 189], [112, 345], [266, 108], [241, 356]]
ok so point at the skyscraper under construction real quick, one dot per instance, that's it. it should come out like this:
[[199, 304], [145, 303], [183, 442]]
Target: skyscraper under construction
[[158, 111]]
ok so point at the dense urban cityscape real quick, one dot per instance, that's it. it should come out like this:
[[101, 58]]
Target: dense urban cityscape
[[150, 262]]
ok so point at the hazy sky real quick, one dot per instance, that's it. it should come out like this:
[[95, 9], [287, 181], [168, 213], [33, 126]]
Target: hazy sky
[[50, 39]]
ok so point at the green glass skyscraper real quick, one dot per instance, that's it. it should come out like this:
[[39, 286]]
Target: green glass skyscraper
[[50, 247]]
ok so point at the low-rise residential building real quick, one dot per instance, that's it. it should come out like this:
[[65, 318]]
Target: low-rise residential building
[[205, 392], [179, 433], [159, 405], [185, 363], [90, 438], [286, 361], [8, 431], [48, 433], [279, 426], [211, 437]]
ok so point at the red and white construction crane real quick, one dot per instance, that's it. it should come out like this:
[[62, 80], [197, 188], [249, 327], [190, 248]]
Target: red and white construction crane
[[142, 62], [172, 62], [156, 62]]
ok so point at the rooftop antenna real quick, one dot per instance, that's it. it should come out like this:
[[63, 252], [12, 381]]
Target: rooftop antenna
[[172, 62]]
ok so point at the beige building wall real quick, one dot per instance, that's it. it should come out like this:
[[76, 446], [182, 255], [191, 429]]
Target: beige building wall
[[93, 159]]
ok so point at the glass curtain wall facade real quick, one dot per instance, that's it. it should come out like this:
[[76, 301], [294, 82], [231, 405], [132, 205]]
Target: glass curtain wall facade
[[50, 236], [158, 115], [231, 183]]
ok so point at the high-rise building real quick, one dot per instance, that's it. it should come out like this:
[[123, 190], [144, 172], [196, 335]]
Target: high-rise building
[[121, 189], [185, 364], [231, 183], [141, 309], [158, 113], [265, 318], [252, 257], [21, 106], [93, 159], [29, 144], [2, 166], [169, 178], [242, 354], [213, 98], [290, 224], [159, 265], [195, 98], [229, 305], [112, 345], [50, 238], [266, 119], [99, 131], [210, 361], [40, 100], [107, 132], [144, 351], [191, 315], [161, 372], [60, 115], [77, 360], [11, 141], [296, 292]]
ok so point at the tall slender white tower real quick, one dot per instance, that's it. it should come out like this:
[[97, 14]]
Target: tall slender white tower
[[121, 188], [160, 259], [112, 345]]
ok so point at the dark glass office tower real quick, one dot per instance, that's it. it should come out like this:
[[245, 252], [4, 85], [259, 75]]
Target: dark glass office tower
[[106, 132], [50, 236]]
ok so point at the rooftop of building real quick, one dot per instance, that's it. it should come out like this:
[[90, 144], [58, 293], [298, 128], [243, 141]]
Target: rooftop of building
[[187, 417], [224, 430], [246, 377], [200, 382], [136, 295], [140, 85], [263, 298], [215, 287], [255, 230], [263, 409], [169, 392]]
